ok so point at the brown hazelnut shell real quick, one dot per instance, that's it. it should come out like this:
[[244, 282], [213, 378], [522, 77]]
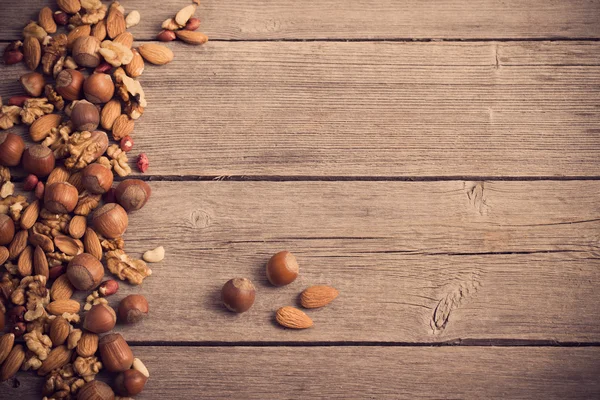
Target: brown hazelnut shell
[[85, 272], [38, 160], [86, 51], [110, 220], [69, 84], [133, 308], [97, 179], [130, 382], [115, 353], [85, 116], [98, 88], [60, 197], [282, 268], [101, 318], [12, 147], [33, 83], [238, 294], [132, 194], [95, 390], [7, 229]]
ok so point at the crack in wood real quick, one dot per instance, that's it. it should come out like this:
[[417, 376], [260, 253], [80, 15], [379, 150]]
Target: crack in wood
[[452, 301], [477, 196]]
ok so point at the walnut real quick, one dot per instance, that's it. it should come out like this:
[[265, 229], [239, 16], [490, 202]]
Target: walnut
[[112, 244], [74, 338], [87, 367], [35, 108], [104, 161], [58, 139], [58, 67], [73, 318], [51, 225], [4, 174], [38, 343], [94, 299], [131, 92], [9, 116], [62, 384], [35, 313], [125, 267], [84, 148], [115, 53], [75, 21], [70, 63], [32, 362], [95, 11], [87, 203], [33, 29], [54, 98], [119, 160], [56, 48], [13, 205], [7, 189]]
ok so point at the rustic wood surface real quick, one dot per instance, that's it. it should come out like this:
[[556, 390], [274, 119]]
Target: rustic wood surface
[[403, 173]]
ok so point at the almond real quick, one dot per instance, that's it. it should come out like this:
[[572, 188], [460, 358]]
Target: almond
[[184, 15], [75, 180], [291, 317], [99, 30], [59, 307], [46, 20], [69, 6], [62, 289], [40, 262], [155, 53], [110, 112], [32, 52], [6, 344], [57, 358], [4, 253], [13, 362], [30, 215], [76, 33], [59, 331], [18, 244], [318, 296], [192, 37], [125, 38], [68, 245], [91, 243], [58, 174], [25, 263], [136, 67], [43, 241], [88, 344], [40, 129], [77, 226], [115, 23], [122, 127]]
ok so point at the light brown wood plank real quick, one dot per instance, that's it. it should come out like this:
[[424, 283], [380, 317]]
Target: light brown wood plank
[[372, 109], [363, 19], [414, 262], [360, 373]]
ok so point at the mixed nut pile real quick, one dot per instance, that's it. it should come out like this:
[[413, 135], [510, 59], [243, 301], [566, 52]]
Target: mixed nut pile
[[238, 294], [53, 242]]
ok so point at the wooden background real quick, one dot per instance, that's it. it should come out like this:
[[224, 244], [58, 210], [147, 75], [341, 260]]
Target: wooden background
[[438, 161]]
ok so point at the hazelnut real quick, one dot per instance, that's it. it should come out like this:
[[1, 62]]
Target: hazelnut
[[130, 382], [192, 24], [110, 220], [166, 36], [57, 271], [38, 160], [86, 51], [95, 390], [96, 178], [100, 319], [126, 144], [39, 190], [115, 353], [69, 84], [11, 149], [108, 288], [99, 88], [12, 57], [85, 116], [19, 329], [33, 83], [282, 268], [7, 229], [133, 308], [132, 194], [30, 182], [60, 197], [85, 272], [238, 294], [61, 18]]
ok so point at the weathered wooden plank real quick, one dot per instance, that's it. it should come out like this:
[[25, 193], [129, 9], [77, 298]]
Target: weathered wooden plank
[[360, 373], [414, 262], [372, 109], [363, 19]]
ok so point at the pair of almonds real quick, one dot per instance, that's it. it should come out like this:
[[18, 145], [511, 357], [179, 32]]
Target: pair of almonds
[[312, 297]]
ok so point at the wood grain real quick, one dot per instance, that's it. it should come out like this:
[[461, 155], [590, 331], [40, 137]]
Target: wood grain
[[372, 109], [359, 373], [359, 19], [414, 262]]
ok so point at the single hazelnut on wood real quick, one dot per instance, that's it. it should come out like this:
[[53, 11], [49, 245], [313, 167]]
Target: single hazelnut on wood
[[69, 84], [60, 197], [11, 149], [115, 353], [86, 51], [133, 308], [110, 220], [95, 390], [33, 83], [38, 160], [85, 116], [85, 272], [101, 318], [98, 88], [282, 268], [130, 382], [7, 229], [238, 294], [132, 194], [96, 178]]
